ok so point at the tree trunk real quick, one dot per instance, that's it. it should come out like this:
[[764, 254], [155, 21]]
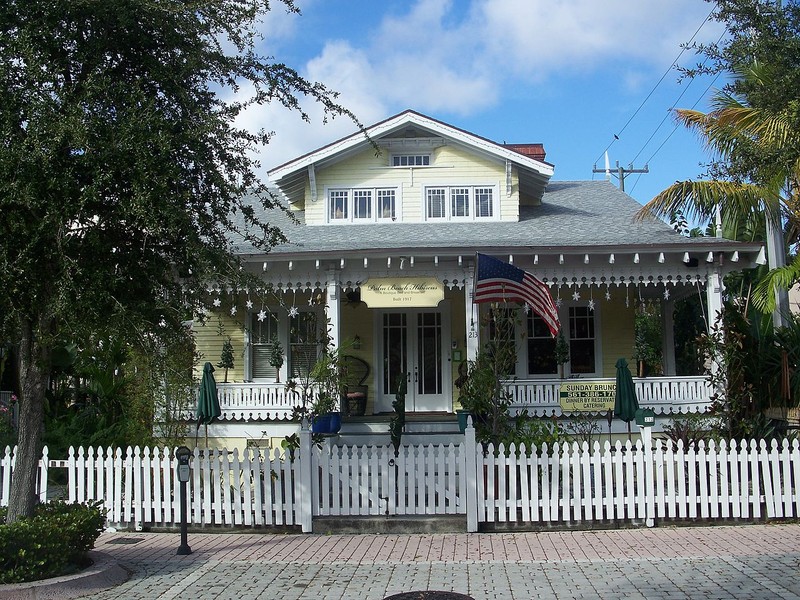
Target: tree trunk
[[33, 379]]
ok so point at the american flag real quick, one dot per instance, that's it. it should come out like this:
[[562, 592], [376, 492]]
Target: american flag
[[498, 281]]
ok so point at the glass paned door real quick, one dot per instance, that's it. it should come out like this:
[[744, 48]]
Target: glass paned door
[[414, 342]]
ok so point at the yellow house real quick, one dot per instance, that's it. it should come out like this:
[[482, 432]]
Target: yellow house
[[382, 256]]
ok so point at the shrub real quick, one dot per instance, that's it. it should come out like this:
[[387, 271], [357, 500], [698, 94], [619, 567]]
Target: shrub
[[56, 540]]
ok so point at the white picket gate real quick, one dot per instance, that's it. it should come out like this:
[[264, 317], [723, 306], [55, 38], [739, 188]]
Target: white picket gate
[[567, 483], [372, 480]]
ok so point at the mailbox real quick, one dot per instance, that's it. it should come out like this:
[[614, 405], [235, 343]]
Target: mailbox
[[183, 454], [645, 417]]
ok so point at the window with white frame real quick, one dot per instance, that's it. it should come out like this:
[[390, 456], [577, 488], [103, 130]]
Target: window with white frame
[[361, 205], [411, 160], [460, 203], [339, 205], [541, 347], [263, 333], [304, 343], [579, 331], [387, 205], [301, 351], [484, 202], [581, 340]]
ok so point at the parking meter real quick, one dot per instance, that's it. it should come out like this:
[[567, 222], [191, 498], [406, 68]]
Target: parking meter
[[182, 455]]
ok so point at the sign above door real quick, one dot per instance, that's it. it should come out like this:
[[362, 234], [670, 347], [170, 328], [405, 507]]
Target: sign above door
[[402, 292]]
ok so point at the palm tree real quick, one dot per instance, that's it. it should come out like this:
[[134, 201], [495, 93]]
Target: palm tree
[[762, 154]]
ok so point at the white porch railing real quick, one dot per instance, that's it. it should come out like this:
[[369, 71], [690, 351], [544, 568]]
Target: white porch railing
[[256, 401], [665, 395]]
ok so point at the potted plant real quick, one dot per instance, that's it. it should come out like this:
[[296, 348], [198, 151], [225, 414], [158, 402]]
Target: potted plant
[[226, 357], [647, 343], [561, 353], [330, 379], [276, 357]]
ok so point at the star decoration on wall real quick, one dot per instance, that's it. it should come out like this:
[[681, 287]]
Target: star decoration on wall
[[217, 303], [591, 305], [608, 294], [666, 294], [293, 311], [233, 311], [558, 302], [527, 309], [311, 301], [249, 304], [576, 295], [262, 315]]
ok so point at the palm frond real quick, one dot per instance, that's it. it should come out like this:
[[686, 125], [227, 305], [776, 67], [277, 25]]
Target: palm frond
[[699, 200], [776, 279]]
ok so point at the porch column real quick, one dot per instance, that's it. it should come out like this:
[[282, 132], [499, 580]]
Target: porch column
[[471, 311], [332, 310], [714, 289], [668, 325]]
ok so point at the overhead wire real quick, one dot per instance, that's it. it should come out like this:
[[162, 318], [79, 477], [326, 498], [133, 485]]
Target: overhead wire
[[617, 136], [675, 127]]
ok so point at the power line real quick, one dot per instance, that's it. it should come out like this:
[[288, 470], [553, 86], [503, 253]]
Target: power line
[[669, 69], [674, 129]]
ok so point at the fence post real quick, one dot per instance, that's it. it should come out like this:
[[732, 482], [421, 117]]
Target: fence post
[[471, 483], [649, 476], [43, 467], [304, 479]]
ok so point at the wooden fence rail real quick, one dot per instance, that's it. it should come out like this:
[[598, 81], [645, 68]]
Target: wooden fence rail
[[568, 483]]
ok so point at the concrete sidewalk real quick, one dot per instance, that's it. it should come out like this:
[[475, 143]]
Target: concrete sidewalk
[[749, 561]]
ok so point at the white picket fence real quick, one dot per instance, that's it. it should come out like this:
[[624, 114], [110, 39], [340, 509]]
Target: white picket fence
[[746, 480], [139, 487], [565, 484]]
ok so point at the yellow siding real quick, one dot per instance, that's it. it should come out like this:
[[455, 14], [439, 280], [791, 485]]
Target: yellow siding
[[450, 166], [209, 343], [617, 333], [357, 321]]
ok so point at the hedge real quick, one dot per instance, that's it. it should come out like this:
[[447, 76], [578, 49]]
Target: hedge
[[55, 541]]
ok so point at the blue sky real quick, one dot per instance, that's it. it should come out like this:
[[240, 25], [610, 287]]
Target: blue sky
[[567, 73]]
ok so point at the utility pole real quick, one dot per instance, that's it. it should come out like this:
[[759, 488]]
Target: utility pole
[[622, 172]]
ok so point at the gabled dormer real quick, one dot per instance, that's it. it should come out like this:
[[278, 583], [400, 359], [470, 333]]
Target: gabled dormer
[[411, 168]]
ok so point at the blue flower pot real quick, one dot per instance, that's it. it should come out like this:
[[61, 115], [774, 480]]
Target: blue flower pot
[[327, 423]]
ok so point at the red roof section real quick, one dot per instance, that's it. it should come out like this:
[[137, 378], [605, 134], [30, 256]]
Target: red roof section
[[534, 151]]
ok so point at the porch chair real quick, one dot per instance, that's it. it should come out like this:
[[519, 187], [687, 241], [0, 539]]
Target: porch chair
[[355, 397]]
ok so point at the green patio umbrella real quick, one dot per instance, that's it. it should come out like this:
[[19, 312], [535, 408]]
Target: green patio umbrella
[[625, 403], [207, 401]]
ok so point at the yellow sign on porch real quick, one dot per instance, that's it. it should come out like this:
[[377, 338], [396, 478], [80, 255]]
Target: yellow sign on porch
[[576, 395], [405, 292]]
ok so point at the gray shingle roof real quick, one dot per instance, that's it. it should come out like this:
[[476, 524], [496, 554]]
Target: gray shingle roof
[[582, 214]]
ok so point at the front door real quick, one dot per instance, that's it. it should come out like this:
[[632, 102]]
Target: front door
[[415, 343]]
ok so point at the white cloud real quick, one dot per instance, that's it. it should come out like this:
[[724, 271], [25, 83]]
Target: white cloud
[[440, 58]]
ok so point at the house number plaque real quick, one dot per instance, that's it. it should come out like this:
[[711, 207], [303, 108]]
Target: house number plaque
[[405, 292]]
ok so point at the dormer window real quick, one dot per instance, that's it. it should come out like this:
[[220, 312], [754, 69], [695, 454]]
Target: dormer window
[[362, 205], [461, 203], [411, 160]]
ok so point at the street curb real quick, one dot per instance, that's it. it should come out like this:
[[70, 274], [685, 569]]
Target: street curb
[[104, 573]]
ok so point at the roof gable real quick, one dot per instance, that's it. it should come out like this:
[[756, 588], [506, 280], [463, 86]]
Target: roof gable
[[411, 130]]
